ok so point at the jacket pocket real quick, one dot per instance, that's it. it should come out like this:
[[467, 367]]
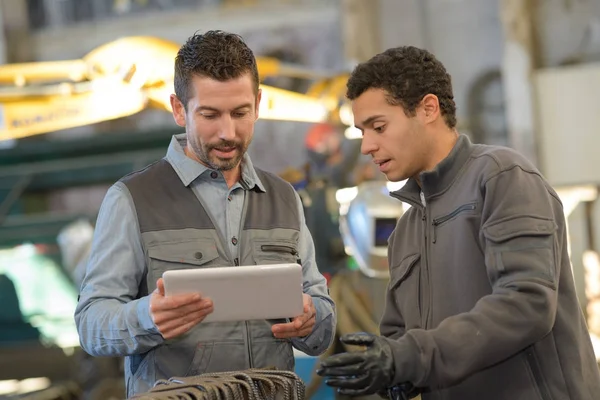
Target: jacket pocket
[[535, 370], [181, 255], [522, 248], [270, 251], [405, 283], [441, 220]]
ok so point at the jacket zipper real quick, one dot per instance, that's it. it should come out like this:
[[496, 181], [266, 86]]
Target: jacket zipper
[[426, 276], [281, 249], [425, 287], [537, 374], [445, 218]]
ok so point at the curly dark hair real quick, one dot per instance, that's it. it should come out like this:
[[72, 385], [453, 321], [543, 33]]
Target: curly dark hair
[[408, 74], [215, 54]]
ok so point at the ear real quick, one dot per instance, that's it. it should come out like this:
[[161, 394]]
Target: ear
[[430, 108], [257, 105], [178, 110]]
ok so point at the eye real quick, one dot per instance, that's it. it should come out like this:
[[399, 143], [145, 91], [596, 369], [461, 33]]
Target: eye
[[240, 114], [379, 129], [209, 116]]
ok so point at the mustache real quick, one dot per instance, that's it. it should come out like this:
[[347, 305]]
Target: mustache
[[225, 144]]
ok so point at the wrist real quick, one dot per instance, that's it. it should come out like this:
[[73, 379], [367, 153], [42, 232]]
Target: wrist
[[144, 315], [405, 360]]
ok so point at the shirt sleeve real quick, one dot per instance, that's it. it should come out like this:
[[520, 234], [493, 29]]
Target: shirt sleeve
[[110, 318], [316, 286]]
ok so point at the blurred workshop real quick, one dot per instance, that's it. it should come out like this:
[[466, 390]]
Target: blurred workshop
[[84, 100]]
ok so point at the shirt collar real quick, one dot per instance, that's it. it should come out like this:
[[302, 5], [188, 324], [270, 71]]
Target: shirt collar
[[188, 170]]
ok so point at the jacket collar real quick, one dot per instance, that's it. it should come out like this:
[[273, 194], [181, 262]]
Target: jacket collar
[[439, 179]]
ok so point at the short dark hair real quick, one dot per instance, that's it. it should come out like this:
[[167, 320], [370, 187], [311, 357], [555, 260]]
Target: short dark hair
[[408, 74], [215, 54]]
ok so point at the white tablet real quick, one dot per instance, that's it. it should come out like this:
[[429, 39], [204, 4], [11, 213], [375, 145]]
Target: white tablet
[[244, 292]]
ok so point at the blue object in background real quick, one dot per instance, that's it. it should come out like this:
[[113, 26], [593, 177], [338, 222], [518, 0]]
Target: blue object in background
[[300, 184], [305, 366]]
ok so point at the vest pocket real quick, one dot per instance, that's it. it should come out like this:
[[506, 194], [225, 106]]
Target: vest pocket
[[273, 353], [275, 252], [405, 283], [180, 255], [140, 376], [201, 359], [218, 357]]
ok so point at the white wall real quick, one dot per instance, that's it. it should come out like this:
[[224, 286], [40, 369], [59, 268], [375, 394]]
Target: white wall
[[465, 35]]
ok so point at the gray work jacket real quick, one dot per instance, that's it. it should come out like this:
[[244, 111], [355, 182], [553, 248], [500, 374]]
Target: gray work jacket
[[482, 302]]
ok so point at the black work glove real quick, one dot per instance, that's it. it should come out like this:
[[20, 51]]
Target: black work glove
[[360, 373]]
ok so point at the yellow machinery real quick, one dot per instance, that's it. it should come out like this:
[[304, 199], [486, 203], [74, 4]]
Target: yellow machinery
[[123, 77]]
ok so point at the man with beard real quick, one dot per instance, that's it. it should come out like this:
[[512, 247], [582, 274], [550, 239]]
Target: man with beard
[[202, 205]]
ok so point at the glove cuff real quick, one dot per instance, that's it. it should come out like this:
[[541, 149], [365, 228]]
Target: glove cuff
[[406, 361]]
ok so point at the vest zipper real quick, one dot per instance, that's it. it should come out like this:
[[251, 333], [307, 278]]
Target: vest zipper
[[249, 337], [236, 262], [276, 248]]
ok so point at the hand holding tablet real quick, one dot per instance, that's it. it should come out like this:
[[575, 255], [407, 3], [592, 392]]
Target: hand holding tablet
[[175, 315], [299, 326]]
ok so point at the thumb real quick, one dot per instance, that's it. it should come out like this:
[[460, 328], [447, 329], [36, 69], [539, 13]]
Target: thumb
[[160, 285], [358, 339], [307, 300]]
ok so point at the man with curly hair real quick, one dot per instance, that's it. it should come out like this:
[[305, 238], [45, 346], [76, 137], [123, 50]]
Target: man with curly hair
[[481, 302]]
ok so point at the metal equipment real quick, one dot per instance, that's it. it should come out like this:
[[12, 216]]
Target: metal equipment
[[370, 218], [253, 384], [123, 77]]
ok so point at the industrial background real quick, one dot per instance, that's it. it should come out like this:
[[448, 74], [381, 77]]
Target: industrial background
[[526, 74]]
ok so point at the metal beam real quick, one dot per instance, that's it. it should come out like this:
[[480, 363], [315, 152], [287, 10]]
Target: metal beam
[[40, 228], [177, 25], [362, 29], [34, 166], [42, 148], [80, 171], [520, 60]]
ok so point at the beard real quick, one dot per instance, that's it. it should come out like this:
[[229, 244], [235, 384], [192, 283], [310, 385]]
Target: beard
[[205, 153]]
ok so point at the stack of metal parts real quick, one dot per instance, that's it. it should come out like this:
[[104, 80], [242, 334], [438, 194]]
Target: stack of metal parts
[[252, 384]]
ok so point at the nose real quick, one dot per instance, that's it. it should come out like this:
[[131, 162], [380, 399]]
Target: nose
[[227, 128], [368, 144]]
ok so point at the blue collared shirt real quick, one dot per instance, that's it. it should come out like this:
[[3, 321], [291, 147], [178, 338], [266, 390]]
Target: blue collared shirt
[[111, 320]]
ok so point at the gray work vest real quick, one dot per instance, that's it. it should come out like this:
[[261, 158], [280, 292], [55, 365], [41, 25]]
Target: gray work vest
[[177, 233]]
